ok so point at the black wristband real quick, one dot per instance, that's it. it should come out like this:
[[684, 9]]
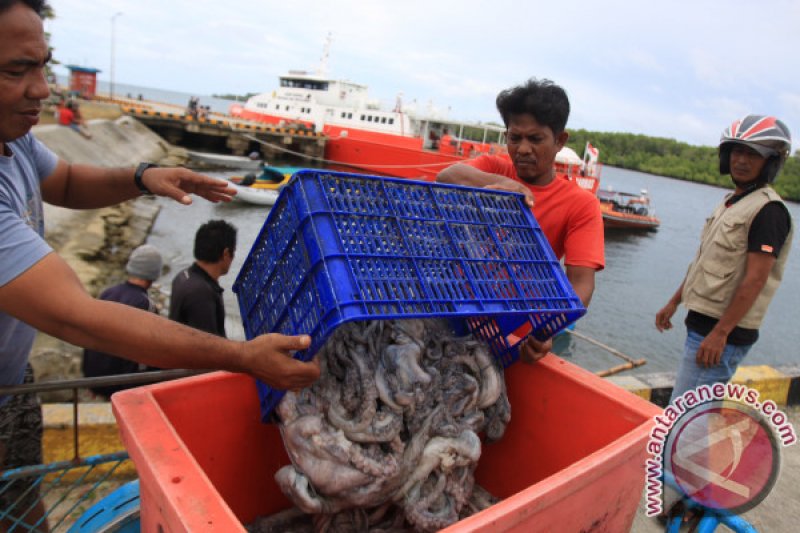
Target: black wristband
[[137, 177]]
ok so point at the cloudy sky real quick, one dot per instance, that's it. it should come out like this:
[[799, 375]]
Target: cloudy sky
[[681, 69]]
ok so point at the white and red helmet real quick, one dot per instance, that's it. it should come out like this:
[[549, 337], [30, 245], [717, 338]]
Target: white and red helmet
[[766, 135]]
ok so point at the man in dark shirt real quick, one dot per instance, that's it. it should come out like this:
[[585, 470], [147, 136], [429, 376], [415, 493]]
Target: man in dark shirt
[[144, 267], [196, 295]]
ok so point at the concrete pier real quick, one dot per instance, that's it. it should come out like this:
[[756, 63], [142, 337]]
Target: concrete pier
[[241, 137]]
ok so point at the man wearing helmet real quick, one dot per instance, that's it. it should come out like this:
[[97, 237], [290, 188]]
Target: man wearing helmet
[[740, 262]]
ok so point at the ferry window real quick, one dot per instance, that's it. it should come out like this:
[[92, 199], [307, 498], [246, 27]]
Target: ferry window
[[362, 117], [305, 84], [287, 108], [349, 115], [383, 120], [391, 121], [343, 114], [369, 118], [277, 106]]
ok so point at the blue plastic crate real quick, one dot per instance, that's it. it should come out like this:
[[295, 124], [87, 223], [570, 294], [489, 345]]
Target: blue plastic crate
[[339, 247]]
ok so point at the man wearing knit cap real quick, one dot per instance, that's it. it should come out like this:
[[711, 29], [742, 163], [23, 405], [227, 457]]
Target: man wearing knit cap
[[143, 268]]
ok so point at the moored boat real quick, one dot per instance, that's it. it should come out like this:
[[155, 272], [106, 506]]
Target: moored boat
[[262, 189], [207, 160], [622, 210], [404, 141]]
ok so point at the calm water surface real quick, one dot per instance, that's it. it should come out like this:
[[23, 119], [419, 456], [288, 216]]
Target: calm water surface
[[642, 271]]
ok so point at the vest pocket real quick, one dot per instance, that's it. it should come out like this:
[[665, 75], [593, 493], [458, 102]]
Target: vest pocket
[[733, 236], [713, 285]]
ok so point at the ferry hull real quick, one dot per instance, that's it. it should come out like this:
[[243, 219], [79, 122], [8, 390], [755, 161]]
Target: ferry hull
[[375, 152], [388, 159]]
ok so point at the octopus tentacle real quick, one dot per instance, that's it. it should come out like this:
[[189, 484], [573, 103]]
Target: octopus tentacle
[[384, 467], [392, 422], [434, 510], [490, 378]]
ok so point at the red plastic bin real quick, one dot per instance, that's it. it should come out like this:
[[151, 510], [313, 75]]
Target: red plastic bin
[[572, 458]]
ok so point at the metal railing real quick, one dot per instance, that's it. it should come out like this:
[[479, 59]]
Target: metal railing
[[52, 496], [139, 378]]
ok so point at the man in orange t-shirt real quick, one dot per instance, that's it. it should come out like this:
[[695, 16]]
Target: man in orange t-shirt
[[535, 115]]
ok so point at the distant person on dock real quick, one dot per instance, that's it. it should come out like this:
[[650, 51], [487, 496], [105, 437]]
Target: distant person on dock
[[69, 115], [196, 298], [77, 120], [740, 262], [38, 289], [143, 268], [64, 113], [535, 115], [191, 108]]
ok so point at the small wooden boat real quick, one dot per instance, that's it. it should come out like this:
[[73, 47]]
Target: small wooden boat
[[262, 189], [622, 210], [209, 161]]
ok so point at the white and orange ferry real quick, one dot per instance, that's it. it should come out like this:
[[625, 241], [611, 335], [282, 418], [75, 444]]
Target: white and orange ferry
[[398, 142], [404, 141]]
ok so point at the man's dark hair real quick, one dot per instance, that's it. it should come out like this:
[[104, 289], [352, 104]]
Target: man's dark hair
[[211, 240], [546, 101], [37, 5]]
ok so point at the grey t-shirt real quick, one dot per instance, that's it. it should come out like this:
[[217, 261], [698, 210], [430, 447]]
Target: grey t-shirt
[[21, 240]]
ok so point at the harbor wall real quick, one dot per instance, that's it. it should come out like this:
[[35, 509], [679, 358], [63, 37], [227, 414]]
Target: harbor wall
[[113, 143], [96, 242], [781, 384]]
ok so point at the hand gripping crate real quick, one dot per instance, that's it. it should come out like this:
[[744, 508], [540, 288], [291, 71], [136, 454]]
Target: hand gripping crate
[[339, 247]]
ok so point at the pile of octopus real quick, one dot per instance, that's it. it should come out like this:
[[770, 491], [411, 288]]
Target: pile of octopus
[[388, 438]]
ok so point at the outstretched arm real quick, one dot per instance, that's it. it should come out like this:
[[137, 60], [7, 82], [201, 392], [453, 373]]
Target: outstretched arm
[[88, 187], [50, 297]]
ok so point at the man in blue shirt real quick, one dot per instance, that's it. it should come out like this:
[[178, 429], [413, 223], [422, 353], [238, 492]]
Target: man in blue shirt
[[39, 290]]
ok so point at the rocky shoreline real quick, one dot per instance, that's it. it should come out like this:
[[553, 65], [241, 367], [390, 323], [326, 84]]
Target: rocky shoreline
[[96, 242]]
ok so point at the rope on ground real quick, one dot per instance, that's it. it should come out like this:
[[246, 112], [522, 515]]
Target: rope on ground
[[619, 368], [629, 361]]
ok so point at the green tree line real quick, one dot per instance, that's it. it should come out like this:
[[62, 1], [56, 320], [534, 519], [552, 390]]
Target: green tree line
[[668, 157]]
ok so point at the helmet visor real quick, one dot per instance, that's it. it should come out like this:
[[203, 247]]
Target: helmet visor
[[764, 151]]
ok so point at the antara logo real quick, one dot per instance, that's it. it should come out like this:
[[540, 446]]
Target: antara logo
[[718, 446]]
